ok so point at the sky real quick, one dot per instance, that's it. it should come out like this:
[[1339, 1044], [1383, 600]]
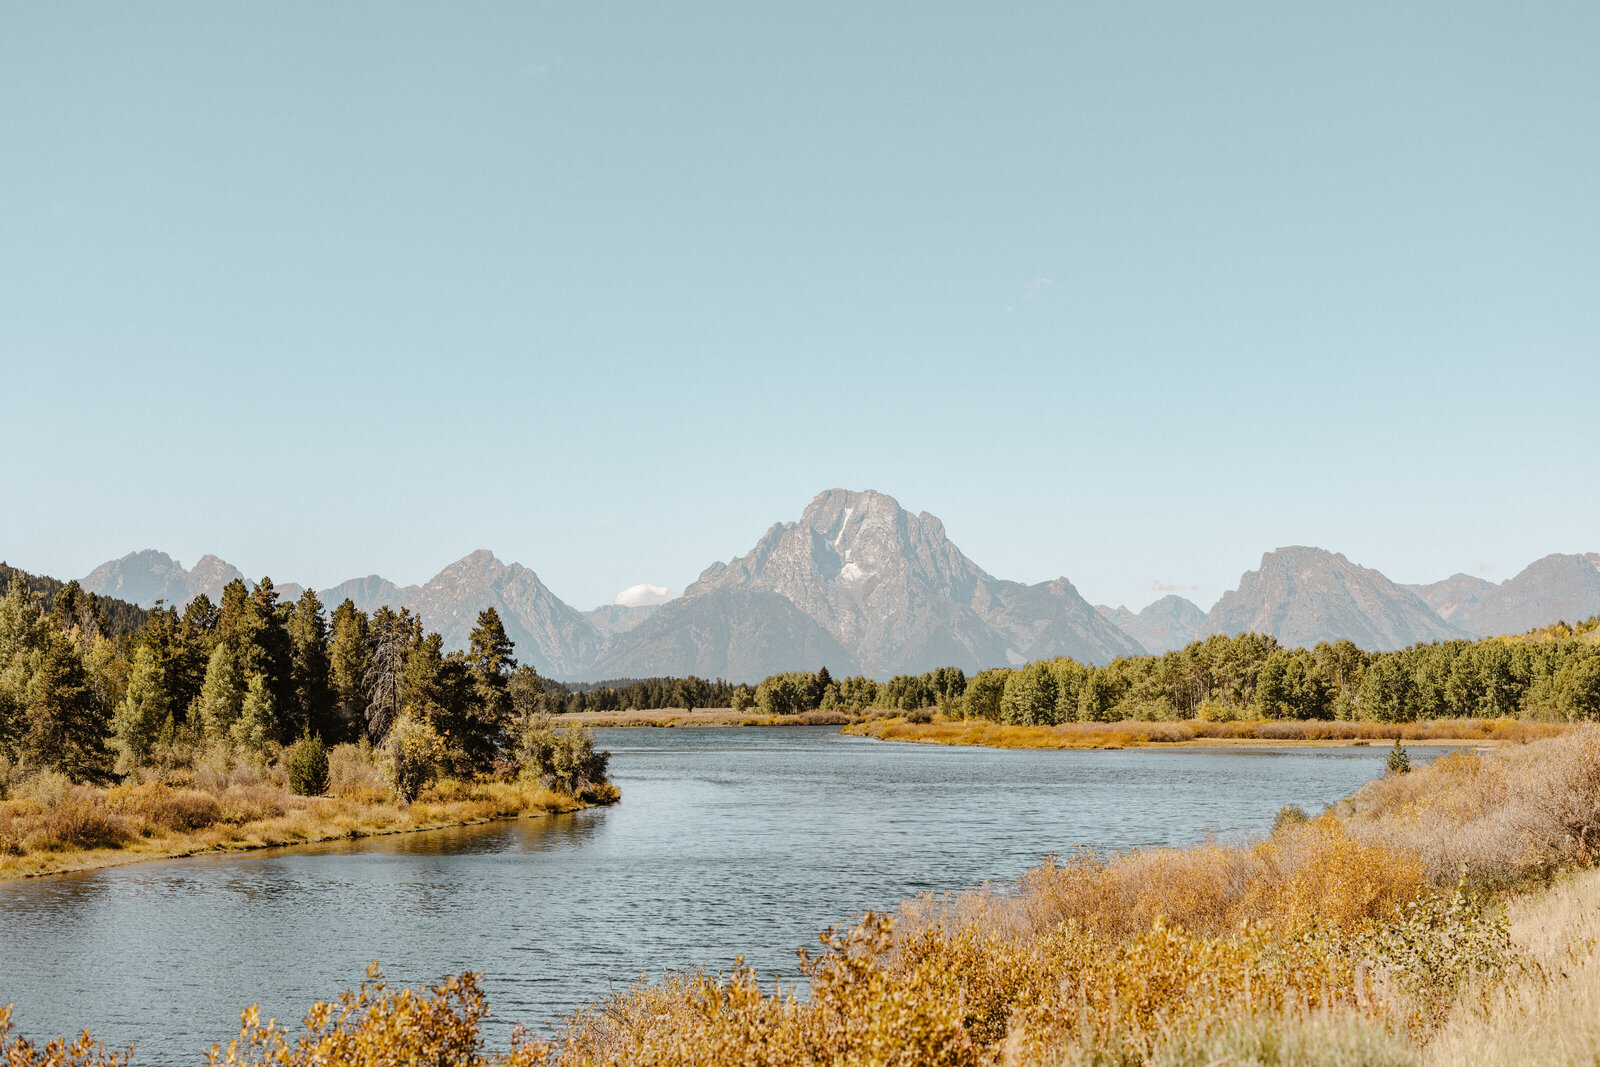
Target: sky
[[1130, 293]]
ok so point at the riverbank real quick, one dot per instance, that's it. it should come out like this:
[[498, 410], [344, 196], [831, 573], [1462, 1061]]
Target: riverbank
[[682, 717], [1134, 734], [53, 826]]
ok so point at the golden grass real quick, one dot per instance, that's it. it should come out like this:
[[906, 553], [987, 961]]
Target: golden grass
[[672, 717], [51, 825], [1133, 733], [1548, 1011]]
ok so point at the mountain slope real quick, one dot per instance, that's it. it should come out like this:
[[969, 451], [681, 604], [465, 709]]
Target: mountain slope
[[891, 589], [738, 634], [1545, 591], [1166, 625], [1453, 596], [1304, 595]]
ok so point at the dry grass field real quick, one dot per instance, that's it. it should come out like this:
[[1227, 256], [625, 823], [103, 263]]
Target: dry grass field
[[1130, 733], [50, 825]]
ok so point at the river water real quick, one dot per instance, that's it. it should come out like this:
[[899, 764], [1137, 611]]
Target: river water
[[726, 841]]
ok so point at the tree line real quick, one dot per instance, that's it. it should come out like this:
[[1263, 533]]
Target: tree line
[[252, 674], [1552, 672]]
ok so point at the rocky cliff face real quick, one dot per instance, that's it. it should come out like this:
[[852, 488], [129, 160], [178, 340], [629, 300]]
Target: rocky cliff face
[[896, 594], [144, 577], [1166, 625], [1304, 595], [1548, 590]]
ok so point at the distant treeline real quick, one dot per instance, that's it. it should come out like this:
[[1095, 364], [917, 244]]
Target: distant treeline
[[1553, 672], [108, 613], [84, 693]]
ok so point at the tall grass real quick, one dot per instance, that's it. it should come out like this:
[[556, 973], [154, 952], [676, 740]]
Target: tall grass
[[981, 732], [49, 824]]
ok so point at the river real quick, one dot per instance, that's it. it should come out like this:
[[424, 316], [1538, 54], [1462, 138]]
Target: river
[[727, 841]]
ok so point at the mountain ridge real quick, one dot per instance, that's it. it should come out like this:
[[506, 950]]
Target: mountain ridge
[[871, 587]]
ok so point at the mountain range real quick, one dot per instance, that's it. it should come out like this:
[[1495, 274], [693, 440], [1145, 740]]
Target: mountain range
[[863, 586]]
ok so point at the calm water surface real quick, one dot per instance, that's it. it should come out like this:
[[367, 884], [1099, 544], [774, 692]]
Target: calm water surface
[[726, 842]]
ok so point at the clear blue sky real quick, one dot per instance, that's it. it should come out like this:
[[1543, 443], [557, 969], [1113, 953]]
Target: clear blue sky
[[1125, 292]]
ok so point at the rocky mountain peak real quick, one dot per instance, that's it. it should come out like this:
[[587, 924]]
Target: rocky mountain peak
[[1555, 587], [892, 589], [1302, 595], [1164, 625], [149, 575]]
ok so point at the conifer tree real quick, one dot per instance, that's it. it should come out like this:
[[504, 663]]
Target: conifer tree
[[392, 635], [257, 724], [138, 720], [66, 725], [270, 650], [310, 669], [348, 654], [491, 660], [222, 695]]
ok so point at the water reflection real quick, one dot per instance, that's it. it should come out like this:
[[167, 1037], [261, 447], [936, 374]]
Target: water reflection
[[727, 842]]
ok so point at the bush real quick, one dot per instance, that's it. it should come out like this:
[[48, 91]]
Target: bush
[[563, 760], [412, 756], [308, 768]]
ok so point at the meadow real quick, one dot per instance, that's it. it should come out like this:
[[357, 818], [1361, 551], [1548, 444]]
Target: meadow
[[1447, 910]]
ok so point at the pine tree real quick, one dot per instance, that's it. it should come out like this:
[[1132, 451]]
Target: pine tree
[[392, 636], [270, 652], [222, 695], [143, 712], [491, 660], [66, 725], [348, 654], [311, 669], [257, 724], [23, 626]]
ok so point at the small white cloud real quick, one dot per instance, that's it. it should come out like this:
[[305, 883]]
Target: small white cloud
[[1158, 586], [638, 596], [1032, 291]]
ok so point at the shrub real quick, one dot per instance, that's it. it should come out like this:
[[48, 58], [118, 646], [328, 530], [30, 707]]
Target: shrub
[[1289, 815], [412, 755], [163, 808], [83, 1052], [563, 760], [308, 768]]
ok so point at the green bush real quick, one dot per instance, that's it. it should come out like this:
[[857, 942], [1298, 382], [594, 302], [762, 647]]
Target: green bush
[[412, 755], [563, 760], [308, 768]]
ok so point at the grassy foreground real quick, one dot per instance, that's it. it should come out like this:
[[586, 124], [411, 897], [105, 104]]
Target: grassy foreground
[[51, 825], [1446, 915], [1131, 733]]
